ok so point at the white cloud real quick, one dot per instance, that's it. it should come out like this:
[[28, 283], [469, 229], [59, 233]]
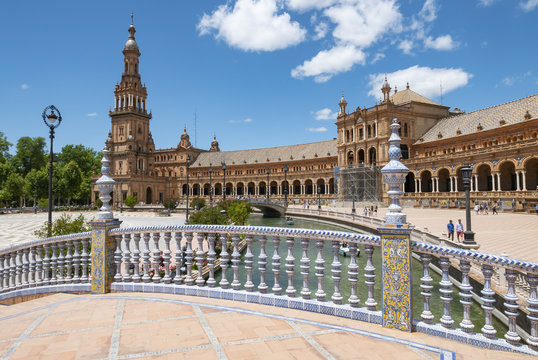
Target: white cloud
[[304, 5], [253, 25], [528, 5], [406, 46], [423, 80], [377, 57], [444, 42], [25, 86], [486, 2], [92, 114], [320, 30], [328, 63], [325, 114], [361, 23], [508, 81], [429, 11], [318, 129], [247, 120]]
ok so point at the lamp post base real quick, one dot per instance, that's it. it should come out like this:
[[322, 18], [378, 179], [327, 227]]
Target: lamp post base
[[468, 238]]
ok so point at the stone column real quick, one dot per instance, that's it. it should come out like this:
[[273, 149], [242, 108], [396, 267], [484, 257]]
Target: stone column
[[524, 186], [419, 185], [456, 183], [416, 186], [103, 246], [518, 188], [475, 182], [396, 244], [499, 182]]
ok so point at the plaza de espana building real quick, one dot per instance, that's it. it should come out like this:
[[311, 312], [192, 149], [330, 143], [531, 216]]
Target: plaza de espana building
[[499, 143]]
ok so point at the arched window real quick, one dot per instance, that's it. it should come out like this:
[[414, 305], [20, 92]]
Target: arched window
[[375, 129], [369, 131]]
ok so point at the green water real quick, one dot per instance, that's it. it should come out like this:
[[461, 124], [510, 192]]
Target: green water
[[456, 309]]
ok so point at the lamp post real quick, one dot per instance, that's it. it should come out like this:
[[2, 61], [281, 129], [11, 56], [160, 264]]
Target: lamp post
[[210, 185], [267, 187], [224, 181], [468, 234], [198, 191], [285, 185], [188, 165], [353, 198], [52, 120], [169, 194], [319, 197]]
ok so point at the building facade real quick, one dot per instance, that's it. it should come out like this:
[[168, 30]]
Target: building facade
[[500, 143]]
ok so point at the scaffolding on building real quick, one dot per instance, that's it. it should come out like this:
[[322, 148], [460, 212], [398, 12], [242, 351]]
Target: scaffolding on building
[[364, 180]]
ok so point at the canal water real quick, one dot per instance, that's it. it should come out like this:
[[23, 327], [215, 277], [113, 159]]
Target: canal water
[[456, 308]]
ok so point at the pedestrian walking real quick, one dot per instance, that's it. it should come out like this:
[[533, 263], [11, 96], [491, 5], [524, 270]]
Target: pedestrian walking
[[375, 211], [494, 209], [459, 230], [477, 209], [450, 228]]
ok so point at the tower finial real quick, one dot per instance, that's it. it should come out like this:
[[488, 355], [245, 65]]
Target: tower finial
[[132, 18]]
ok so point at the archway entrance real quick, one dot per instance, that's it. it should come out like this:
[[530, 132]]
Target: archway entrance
[[149, 198]]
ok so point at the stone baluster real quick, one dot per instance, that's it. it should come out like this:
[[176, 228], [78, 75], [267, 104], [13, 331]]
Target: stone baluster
[[249, 261], [512, 308], [145, 259], [46, 265], [61, 263], [224, 259], [126, 260], [68, 262], [426, 287], [86, 260], [488, 302], [290, 266], [277, 290], [305, 268], [13, 271], [167, 257], [336, 273], [18, 269], [320, 270], [25, 267], [136, 258], [189, 257], [211, 258], [262, 264], [2, 286], [446, 293], [532, 307], [156, 258], [466, 297], [54, 264], [369, 274], [236, 259], [117, 258], [178, 257], [200, 256], [353, 273], [39, 266], [76, 262]]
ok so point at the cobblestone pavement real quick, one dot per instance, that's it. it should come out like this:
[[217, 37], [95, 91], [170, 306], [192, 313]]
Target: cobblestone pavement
[[128, 325]]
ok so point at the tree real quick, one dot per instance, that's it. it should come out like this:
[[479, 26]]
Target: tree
[[36, 183], [131, 201], [30, 154], [12, 188], [169, 204], [208, 216], [73, 178], [86, 158], [239, 211], [64, 225], [197, 203], [4, 147]]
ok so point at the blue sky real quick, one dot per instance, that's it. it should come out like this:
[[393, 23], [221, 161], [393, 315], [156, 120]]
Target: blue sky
[[257, 73]]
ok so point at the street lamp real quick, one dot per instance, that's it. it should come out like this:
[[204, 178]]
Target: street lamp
[[188, 165], [198, 191], [224, 181], [52, 120], [468, 235], [210, 185], [319, 197], [285, 185], [267, 187], [353, 198]]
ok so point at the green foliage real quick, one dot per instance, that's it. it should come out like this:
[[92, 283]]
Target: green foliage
[[209, 216], [169, 204], [64, 225], [197, 203], [86, 158], [236, 212], [12, 188], [4, 147], [36, 183], [30, 154], [43, 203], [130, 201], [239, 211]]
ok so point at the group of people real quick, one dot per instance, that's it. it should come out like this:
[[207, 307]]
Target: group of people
[[483, 209], [457, 227], [369, 211]]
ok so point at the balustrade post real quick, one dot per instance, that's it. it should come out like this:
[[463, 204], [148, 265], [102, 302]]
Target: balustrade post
[[156, 258], [249, 260], [167, 258], [38, 266], [13, 272], [224, 258], [369, 275], [466, 297], [446, 293], [178, 258], [68, 262], [290, 265], [426, 286], [54, 264], [336, 273], [146, 259], [126, 260], [200, 258], [236, 259], [46, 264], [2, 286], [61, 262], [277, 290], [85, 260], [532, 307], [117, 258], [189, 280], [262, 264], [25, 268], [320, 270], [76, 262], [511, 308], [353, 273], [488, 302], [136, 258], [18, 270], [305, 268], [211, 258]]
